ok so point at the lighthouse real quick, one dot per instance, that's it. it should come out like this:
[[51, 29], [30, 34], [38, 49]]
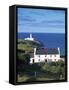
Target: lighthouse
[[30, 38], [30, 35]]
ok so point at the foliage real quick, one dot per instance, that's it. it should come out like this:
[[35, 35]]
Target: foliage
[[28, 45], [22, 62], [45, 71], [55, 68], [46, 67], [22, 78], [24, 58]]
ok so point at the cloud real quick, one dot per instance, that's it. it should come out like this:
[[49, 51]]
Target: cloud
[[34, 19], [53, 21], [47, 24], [26, 19]]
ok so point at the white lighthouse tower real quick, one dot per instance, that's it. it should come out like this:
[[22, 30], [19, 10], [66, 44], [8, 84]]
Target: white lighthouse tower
[[30, 38], [30, 35]]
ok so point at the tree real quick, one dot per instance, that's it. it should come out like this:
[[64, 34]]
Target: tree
[[61, 63], [46, 67], [22, 62], [25, 58]]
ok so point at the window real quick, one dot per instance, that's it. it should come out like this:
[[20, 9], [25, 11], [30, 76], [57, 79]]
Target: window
[[39, 59], [55, 59], [39, 56]]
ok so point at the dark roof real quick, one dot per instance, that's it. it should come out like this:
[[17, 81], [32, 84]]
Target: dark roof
[[47, 51]]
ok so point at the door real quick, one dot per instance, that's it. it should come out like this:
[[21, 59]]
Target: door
[[33, 60]]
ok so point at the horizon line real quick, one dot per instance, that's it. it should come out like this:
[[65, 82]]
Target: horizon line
[[43, 32]]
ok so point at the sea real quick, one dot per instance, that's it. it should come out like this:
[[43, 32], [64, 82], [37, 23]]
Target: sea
[[49, 40]]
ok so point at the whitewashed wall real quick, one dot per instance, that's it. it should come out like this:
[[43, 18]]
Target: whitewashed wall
[[41, 58]]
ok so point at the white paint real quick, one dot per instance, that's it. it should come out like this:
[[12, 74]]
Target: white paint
[[30, 38], [45, 57]]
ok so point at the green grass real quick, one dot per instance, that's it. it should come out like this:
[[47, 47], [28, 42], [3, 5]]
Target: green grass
[[28, 45], [22, 78], [44, 78], [25, 78]]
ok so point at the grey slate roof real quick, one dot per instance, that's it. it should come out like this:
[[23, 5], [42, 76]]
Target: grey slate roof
[[47, 51]]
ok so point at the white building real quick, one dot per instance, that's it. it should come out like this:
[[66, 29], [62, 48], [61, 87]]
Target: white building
[[30, 38], [45, 55]]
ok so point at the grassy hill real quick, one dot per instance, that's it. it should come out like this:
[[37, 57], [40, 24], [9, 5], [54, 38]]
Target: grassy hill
[[28, 45], [37, 71]]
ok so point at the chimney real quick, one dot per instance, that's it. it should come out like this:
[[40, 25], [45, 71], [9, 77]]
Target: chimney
[[59, 50], [34, 51]]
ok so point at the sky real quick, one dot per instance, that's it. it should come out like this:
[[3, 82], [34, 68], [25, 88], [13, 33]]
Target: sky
[[41, 20]]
